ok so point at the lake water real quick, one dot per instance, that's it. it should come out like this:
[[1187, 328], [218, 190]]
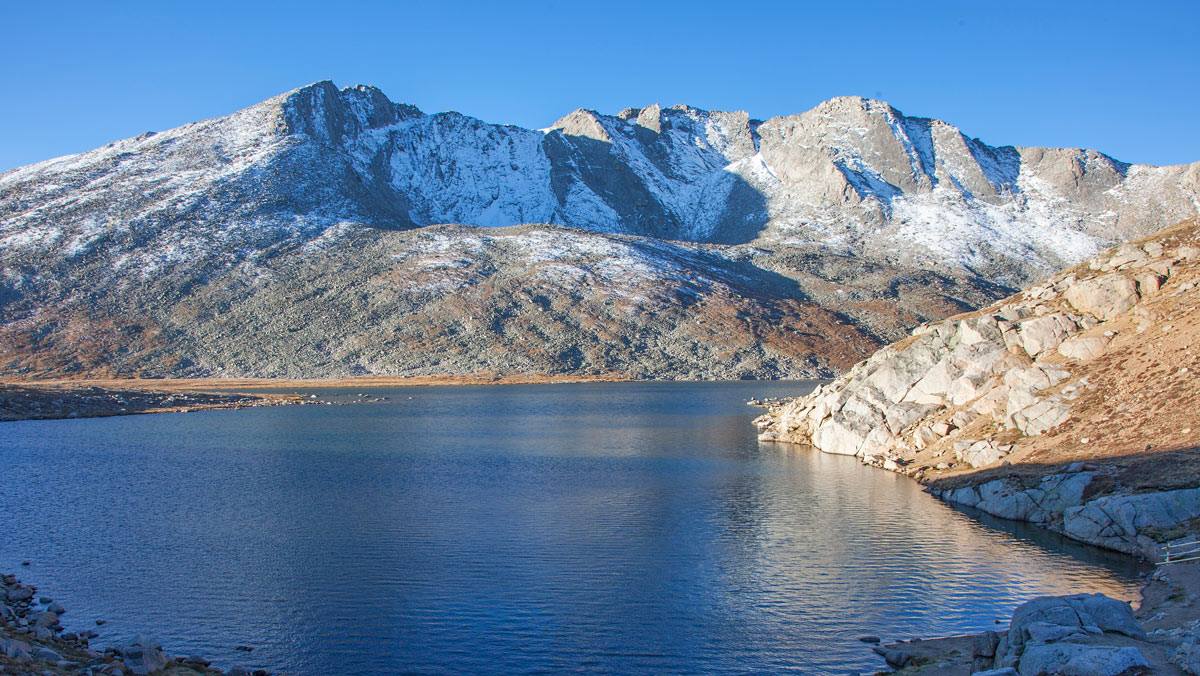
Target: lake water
[[611, 527]]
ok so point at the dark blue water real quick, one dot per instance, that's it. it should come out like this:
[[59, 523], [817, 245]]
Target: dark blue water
[[597, 527]]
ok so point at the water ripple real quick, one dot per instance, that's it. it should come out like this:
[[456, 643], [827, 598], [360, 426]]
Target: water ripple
[[614, 528]]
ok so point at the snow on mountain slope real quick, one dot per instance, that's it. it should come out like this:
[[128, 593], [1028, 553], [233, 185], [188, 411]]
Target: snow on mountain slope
[[887, 220], [852, 173], [857, 174]]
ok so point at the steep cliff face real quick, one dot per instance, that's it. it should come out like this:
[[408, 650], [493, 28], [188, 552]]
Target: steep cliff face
[[852, 208], [1060, 405]]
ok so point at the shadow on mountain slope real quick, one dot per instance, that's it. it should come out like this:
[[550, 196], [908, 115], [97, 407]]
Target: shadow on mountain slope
[[742, 214]]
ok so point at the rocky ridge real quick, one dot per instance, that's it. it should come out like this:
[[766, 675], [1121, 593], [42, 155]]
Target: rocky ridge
[[853, 174], [329, 207], [1072, 404]]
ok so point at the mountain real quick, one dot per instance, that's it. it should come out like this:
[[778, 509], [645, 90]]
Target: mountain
[[187, 251]]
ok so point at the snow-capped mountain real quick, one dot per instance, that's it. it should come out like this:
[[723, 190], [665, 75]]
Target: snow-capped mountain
[[888, 219]]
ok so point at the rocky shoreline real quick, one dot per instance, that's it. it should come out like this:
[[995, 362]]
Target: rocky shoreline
[[50, 402], [58, 399], [1073, 405], [34, 641], [1077, 635]]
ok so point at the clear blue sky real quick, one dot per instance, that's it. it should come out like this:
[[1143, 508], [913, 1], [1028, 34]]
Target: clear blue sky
[[1111, 75]]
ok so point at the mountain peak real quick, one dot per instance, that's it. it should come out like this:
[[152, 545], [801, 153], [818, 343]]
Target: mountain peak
[[582, 122], [842, 106], [322, 86], [323, 111]]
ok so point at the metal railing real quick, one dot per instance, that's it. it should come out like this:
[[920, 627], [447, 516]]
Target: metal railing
[[1178, 552]]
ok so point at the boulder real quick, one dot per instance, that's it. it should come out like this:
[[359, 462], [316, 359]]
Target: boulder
[[1044, 636], [984, 328], [895, 657], [19, 594], [1148, 284], [1057, 492], [980, 454], [1126, 253], [1000, 498], [144, 656], [840, 436], [923, 436], [46, 654], [1083, 348], [1043, 333], [963, 389], [45, 619], [895, 377], [11, 647], [1040, 416], [1027, 380], [1104, 297], [993, 403], [984, 645], [1075, 659], [1052, 618], [1046, 632]]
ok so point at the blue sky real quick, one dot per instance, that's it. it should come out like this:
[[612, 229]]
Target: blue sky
[[1114, 76]]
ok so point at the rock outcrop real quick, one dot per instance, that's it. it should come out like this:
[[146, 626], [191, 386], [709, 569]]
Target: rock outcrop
[[1082, 634], [1056, 393], [1079, 635]]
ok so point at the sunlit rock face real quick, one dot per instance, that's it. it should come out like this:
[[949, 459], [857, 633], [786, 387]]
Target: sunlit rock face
[[1071, 404]]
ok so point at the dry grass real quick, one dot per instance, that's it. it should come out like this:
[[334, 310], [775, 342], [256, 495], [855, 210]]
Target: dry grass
[[1140, 411], [257, 384]]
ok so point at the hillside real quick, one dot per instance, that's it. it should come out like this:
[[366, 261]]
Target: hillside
[[1073, 404], [451, 300]]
